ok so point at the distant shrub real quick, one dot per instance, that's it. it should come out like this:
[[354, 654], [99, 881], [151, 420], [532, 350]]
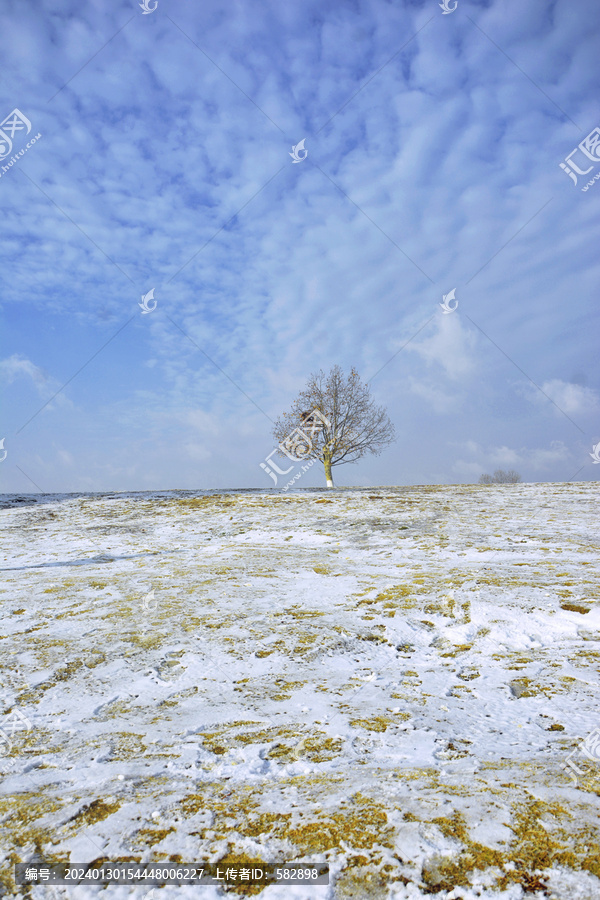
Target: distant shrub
[[501, 477]]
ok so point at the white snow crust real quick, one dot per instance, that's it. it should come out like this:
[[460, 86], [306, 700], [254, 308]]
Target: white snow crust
[[386, 679]]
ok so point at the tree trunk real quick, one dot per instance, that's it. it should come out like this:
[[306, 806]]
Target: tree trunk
[[328, 476]]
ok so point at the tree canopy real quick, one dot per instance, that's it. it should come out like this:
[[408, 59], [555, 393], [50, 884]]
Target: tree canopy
[[501, 477], [338, 417]]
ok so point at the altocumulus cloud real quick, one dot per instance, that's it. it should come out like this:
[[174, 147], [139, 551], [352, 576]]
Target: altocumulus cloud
[[434, 145]]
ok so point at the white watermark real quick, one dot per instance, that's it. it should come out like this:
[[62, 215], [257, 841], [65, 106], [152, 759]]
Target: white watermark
[[591, 748], [4, 452], [445, 6], [147, 8], [301, 747], [16, 721], [144, 305], [297, 150], [14, 123], [446, 308], [451, 608], [589, 148], [148, 605], [297, 446], [299, 475], [595, 455]]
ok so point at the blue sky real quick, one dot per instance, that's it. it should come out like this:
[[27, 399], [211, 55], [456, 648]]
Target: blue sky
[[434, 146]]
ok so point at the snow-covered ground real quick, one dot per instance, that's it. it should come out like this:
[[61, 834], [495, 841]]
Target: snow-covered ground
[[388, 680]]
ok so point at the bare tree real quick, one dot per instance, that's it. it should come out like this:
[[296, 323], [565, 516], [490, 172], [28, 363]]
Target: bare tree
[[501, 477], [339, 418]]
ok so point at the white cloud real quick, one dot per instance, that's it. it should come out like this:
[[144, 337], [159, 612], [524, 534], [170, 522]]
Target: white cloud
[[203, 422], [505, 456], [452, 347], [434, 395], [14, 366], [448, 153], [196, 452], [545, 458], [535, 460], [470, 471], [65, 457], [572, 398]]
